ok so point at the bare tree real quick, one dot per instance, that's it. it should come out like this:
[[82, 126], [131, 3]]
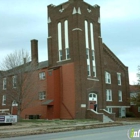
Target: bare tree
[[19, 80], [135, 97], [138, 75]]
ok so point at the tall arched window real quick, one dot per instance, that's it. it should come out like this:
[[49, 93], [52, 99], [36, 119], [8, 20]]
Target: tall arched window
[[66, 39], [59, 41]]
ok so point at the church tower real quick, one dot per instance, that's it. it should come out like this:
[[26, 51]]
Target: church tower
[[74, 37]]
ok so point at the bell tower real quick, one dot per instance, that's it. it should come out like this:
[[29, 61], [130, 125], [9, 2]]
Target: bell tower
[[67, 25], [74, 37]]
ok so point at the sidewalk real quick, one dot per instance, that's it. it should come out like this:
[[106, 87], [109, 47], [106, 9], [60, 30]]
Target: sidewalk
[[28, 128]]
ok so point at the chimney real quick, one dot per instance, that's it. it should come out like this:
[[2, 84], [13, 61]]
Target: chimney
[[34, 51]]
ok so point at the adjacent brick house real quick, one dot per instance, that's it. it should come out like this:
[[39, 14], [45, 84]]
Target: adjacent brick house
[[134, 109], [82, 74]]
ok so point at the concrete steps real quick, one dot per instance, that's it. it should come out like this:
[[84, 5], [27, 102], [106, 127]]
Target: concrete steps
[[106, 119]]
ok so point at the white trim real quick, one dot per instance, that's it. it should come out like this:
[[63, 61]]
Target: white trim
[[92, 79], [63, 60], [76, 29], [49, 37], [83, 105], [118, 106], [66, 34], [89, 10], [79, 11], [74, 11], [94, 111], [92, 35], [86, 34], [49, 20], [61, 10], [59, 26], [4, 110], [99, 20]]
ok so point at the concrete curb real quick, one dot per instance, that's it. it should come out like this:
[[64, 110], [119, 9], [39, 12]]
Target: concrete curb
[[54, 129]]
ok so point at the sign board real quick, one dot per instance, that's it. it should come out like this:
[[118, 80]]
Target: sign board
[[83, 105]]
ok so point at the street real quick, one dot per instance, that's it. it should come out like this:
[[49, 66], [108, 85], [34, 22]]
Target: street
[[106, 133]]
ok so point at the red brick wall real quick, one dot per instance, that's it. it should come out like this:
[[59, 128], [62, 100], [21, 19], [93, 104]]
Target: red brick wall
[[36, 107], [68, 91], [53, 91], [134, 110]]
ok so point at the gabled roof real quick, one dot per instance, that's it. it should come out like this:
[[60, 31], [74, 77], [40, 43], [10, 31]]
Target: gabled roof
[[25, 67], [42, 64], [114, 57]]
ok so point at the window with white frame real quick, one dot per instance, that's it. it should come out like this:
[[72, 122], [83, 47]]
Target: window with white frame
[[60, 55], [66, 39], [107, 77], [59, 26], [108, 95], [14, 79], [42, 75], [94, 71], [119, 78], [4, 100], [67, 53], [93, 55], [14, 103], [42, 95], [87, 53], [88, 70], [4, 83], [120, 95], [109, 109], [139, 109]]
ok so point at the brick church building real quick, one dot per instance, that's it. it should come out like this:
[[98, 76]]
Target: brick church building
[[82, 77]]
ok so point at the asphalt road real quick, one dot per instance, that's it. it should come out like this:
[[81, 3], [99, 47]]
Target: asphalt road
[[106, 133]]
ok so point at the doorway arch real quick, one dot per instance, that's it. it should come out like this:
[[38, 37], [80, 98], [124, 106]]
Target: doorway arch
[[92, 99]]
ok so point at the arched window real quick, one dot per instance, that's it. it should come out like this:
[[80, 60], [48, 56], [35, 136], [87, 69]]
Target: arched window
[[93, 97]]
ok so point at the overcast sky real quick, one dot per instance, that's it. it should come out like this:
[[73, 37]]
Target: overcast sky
[[23, 20]]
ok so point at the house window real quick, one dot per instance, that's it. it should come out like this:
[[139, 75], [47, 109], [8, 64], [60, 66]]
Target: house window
[[109, 109], [60, 55], [86, 34], [92, 54], [14, 103], [120, 95], [14, 79], [108, 95], [67, 53], [139, 109], [42, 95], [4, 83], [119, 78], [87, 53], [107, 78], [94, 71], [88, 70], [4, 100], [42, 75]]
